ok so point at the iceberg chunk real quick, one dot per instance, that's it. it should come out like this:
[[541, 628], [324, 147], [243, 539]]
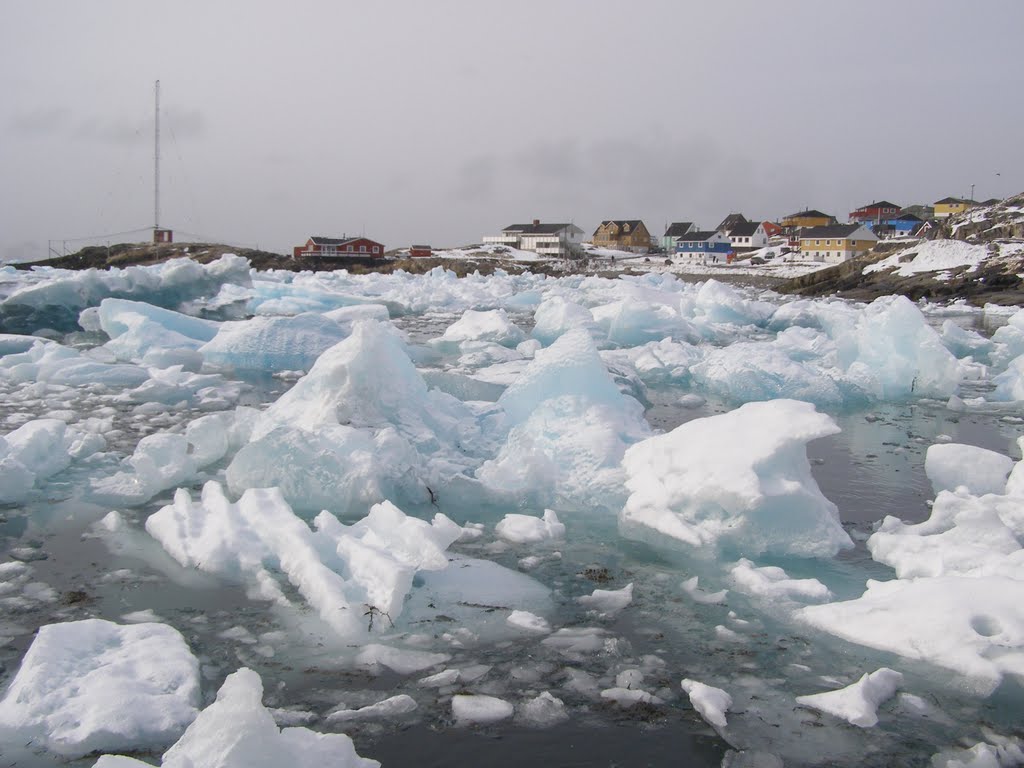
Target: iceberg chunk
[[950, 465], [237, 731], [93, 685], [740, 479], [712, 703], [265, 343], [493, 326], [857, 703]]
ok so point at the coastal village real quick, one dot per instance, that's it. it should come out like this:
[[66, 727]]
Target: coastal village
[[808, 236]]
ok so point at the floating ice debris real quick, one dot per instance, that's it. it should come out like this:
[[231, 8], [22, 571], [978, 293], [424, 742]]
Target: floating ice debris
[[996, 751], [740, 479], [493, 326], [360, 427], [700, 596], [973, 626], [608, 601], [712, 703], [526, 529], [857, 703], [981, 471], [569, 428], [556, 316], [772, 582], [480, 709], [379, 554], [272, 343], [391, 707], [441, 679], [575, 640], [237, 731], [401, 660], [543, 711], [92, 685], [529, 622]]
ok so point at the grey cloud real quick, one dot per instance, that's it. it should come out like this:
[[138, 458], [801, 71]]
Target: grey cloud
[[40, 122]]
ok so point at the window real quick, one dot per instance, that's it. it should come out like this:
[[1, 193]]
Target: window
[[376, 249], [362, 249], [817, 242], [349, 248]]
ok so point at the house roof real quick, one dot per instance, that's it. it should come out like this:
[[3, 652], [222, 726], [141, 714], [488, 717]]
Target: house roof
[[621, 224], [678, 228], [834, 230], [732, 220], [879, 204], [746, 229], [953, 200], [322, 241], [810, 213], [698, 237], [536, 229], [908, 217]]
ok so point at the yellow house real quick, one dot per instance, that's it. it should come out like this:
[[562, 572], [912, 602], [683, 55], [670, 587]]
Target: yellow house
[[950, 206], [808, 218], [623, 234], [840, 242]]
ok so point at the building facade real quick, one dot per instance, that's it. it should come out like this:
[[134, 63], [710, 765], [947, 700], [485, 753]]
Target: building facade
[[623, 235], [840, 242], [951, 206], [339, 247], [705, 246], [553, 240], [748, 236]]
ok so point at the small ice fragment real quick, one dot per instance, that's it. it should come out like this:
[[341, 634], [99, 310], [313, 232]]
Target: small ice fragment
[[608, 601], [526, 529], [394, 706], [857, 703], [480, 709], [528, 621], [543, 711], [712, 703], [700, 596], [629, 697]]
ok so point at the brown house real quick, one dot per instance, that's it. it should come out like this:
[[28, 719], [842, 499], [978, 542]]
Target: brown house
[[623, 235]]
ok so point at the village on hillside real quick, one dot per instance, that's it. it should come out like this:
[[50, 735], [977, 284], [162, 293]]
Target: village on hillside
[[809, 237]]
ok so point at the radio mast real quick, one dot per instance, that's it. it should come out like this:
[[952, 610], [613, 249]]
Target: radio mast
[[159, 235]]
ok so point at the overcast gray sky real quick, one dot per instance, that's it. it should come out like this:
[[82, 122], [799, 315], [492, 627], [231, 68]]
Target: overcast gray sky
[[442, 121]]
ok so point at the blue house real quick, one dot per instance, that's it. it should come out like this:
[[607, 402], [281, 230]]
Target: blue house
[[706, 245], [898, 226]]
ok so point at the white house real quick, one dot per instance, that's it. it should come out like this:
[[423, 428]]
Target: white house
[[748, 235], [554, 240]]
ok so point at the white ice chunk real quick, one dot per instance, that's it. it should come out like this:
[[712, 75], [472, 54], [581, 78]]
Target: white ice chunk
[[526, 529], [529, 622], [556, 315], [857, 703], [570, 426], [973, 626], [712, 703], [493, 326], [981, 471], [543, 711], [773, 583], [740, 479], [480, 709], [93, 685], [690, 586], [273, 343], [608, 601], [391, 707], [404, 661], [237, 731]]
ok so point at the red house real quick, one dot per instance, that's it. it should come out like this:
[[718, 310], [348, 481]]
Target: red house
[[339, 247], [883, 210], [420, 251]]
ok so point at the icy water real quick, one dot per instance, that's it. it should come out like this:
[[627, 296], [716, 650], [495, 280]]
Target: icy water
[[873, 468], [77, 568]]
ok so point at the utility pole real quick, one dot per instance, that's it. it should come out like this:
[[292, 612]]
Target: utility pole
[[156, 163], [972, 193]]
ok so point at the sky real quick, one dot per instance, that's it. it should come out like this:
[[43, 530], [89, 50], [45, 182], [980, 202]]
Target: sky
[[444, 121]]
